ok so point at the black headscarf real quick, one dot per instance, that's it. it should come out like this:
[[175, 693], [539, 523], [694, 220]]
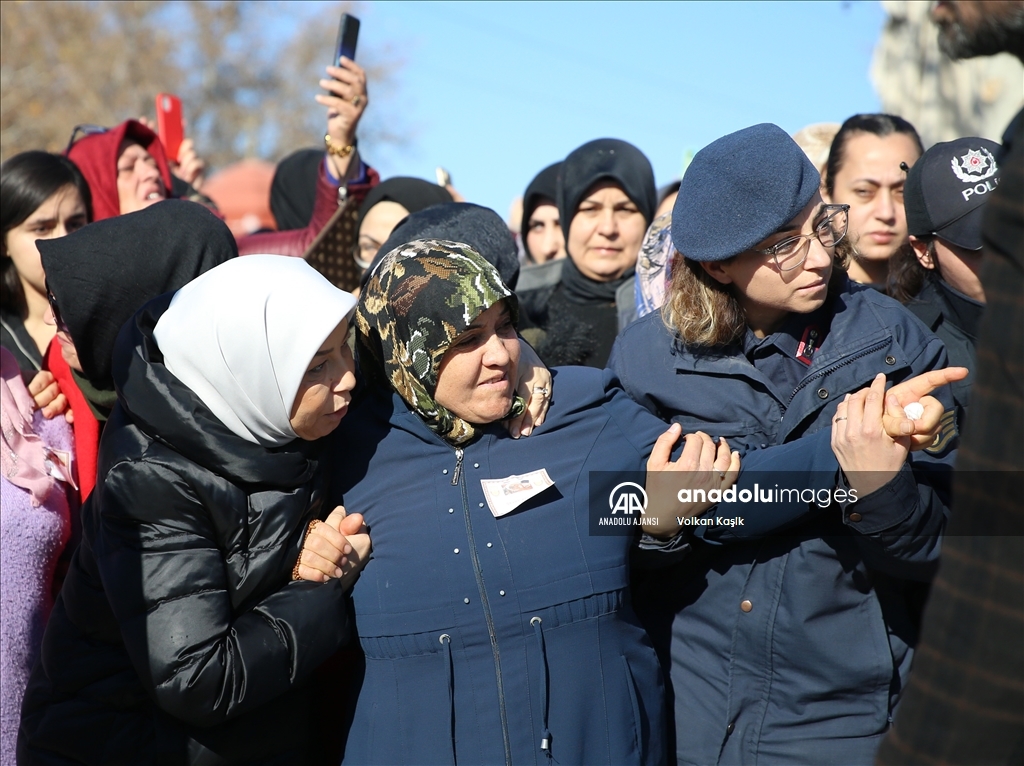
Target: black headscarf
[[542, 189], [606, 158], [103, 273], [414, 194], [293, 190], [479, 227]]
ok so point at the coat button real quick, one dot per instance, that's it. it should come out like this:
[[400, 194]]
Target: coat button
[[823, 393], [451, 510], [444, 471], [465, 601], [890, 359], [490, 545], [746, 605], [476, 465], [855, 516], [456, 550], [501, 593], [730, 728], [481, 505]]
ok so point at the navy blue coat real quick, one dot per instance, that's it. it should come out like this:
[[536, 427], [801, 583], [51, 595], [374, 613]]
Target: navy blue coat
[[470, 622], [790, 639]]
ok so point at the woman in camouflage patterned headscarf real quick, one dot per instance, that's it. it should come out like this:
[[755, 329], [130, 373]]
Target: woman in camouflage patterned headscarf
[[421, 298]]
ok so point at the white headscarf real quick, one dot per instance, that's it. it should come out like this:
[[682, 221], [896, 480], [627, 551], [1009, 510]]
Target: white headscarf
[[242, 335]]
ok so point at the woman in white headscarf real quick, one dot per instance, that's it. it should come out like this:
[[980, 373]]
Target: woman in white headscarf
[[181, 634]]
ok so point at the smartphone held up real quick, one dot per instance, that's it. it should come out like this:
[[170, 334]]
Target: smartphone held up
[[348, 36], [169, 124]]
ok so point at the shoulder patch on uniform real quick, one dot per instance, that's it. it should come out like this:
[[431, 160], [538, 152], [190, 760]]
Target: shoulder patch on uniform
[[947, 432]]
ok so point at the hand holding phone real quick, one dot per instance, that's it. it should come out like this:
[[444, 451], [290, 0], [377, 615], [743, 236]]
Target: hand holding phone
[[169, 124], [346, 96]]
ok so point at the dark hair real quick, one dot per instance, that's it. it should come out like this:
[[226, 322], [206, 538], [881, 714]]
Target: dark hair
[[27, 180], [906, 274], [880, 125]]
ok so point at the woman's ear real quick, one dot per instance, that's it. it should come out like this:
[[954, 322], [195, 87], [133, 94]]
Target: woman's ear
[[923, 252], [718, 271]]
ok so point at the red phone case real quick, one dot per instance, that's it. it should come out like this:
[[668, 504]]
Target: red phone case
[[168, 124]]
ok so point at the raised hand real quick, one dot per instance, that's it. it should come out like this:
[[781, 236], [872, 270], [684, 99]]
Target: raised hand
[[346, 100], [189, 166]]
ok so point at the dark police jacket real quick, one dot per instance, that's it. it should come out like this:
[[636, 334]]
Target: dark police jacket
[[954, 318], [179, 636], [791, 642]]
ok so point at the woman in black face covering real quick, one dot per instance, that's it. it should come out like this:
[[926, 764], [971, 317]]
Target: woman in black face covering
[[606, 201], [99, 278]]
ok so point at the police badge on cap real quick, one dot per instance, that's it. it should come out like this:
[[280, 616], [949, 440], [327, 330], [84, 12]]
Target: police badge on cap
[[946, 189]]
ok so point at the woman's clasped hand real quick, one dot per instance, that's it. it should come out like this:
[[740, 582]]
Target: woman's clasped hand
[[336, 547]]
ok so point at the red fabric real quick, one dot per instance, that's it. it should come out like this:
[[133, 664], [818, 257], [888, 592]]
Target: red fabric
[[297, 241], [96, 156], [86, 428]]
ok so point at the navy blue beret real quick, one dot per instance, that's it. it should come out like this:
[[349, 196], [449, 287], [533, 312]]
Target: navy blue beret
[[740, 189]]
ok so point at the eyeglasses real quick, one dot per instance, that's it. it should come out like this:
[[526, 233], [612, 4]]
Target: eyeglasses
[[57, 318], [85, 130], [366, 250], [830, 230]]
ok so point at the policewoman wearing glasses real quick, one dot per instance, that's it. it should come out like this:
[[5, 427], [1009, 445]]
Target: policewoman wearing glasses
[[787, 641]]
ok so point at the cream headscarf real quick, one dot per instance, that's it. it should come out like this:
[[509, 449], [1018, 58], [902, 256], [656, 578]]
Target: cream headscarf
[[242, 335]]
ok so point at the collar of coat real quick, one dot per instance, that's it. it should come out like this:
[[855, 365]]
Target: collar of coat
[[165, 410], [852, 324]]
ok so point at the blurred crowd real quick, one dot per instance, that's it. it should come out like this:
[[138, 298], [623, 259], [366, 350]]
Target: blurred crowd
[[869, 246]]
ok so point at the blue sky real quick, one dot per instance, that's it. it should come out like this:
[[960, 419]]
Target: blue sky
[[496, 91]]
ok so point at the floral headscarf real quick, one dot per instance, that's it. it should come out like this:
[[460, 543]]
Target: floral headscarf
[[654, 266], [420, 298]]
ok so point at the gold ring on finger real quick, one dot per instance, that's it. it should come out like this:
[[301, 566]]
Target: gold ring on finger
[[357, 100]]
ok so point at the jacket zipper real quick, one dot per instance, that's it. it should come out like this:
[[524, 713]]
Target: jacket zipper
[[478, 572], [459, 454], [21, 346], [833, 368]]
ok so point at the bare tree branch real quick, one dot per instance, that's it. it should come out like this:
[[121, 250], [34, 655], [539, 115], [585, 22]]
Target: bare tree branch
[[245, 93]]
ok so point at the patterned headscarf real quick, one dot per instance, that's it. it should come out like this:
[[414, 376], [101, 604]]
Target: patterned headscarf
[[420, 298]]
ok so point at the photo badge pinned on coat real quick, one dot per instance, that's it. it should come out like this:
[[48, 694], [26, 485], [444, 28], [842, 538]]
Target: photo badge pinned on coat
[[505, 495]]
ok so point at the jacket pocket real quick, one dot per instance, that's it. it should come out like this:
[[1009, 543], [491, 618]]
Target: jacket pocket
[[741, 434], [638, 735], [404, 712]]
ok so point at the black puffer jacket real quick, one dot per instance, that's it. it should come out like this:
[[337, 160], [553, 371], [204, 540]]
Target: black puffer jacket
[[179, 636]]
